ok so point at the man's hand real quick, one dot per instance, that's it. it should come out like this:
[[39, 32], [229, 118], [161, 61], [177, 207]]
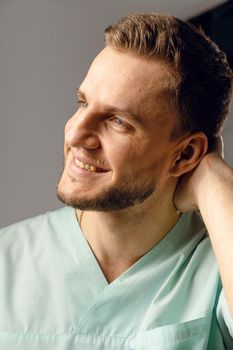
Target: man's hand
[[186, 196]]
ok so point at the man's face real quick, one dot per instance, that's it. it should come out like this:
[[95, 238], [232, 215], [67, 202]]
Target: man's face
[[120, 134]]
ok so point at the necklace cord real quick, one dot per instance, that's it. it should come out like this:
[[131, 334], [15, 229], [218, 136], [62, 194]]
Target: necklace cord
[[80, 219]]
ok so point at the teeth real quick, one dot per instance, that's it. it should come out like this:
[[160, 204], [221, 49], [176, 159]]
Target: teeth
[[88, 167], [92, 168]]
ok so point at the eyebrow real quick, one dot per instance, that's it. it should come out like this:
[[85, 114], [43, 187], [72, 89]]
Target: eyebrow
[[114, 110]]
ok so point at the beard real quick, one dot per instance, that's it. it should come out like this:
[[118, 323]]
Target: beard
[[128, 193]]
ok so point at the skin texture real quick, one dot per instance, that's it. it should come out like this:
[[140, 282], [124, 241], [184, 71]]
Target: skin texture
[[111, 82], [139, 150]]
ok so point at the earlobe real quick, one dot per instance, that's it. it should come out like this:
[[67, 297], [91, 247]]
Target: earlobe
[[189, 154]]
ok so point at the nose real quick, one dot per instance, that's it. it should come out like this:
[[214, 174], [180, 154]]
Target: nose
[[81, 131]]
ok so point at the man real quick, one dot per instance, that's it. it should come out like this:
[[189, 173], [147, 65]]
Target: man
[[134, 273]]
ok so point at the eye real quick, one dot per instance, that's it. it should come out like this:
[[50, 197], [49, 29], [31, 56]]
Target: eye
[[120, 123], [82, 103], [117, 121]]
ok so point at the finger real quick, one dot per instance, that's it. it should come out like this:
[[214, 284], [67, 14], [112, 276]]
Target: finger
[[218, 145]]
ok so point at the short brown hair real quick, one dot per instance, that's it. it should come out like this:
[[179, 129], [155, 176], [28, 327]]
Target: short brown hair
[[203, 87]]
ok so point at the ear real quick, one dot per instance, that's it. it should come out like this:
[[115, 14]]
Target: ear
[[188, 153]]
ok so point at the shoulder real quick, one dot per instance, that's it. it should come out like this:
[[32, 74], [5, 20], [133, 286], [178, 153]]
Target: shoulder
[[33, 225], [34, 256], [42, 230]]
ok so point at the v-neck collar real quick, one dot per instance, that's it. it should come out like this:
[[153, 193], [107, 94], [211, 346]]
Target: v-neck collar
[[91, 270]]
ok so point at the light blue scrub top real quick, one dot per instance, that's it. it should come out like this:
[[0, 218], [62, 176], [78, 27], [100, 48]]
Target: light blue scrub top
[[54, 296]]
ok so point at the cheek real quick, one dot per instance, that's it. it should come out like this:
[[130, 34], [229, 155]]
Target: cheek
[[126, 156]]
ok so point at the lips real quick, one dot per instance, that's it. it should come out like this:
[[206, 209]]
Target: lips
[[81, 164], [90, 167]]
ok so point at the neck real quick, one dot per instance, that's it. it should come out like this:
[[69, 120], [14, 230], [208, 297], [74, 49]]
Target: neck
[[120, 238]]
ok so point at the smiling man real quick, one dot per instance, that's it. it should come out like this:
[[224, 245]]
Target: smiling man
[[141, 255]]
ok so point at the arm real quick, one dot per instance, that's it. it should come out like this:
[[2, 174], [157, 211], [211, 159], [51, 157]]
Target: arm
[[209, 188]]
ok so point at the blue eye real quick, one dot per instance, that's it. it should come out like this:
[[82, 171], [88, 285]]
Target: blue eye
[[119, 122]]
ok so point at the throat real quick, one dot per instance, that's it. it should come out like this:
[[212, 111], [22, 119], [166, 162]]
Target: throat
[[114, 269]]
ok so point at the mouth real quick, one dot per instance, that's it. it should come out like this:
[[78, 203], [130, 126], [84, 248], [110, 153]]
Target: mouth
[[89, 167]]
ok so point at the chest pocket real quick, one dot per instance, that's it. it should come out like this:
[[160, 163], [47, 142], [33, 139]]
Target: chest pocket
[[191, 335]]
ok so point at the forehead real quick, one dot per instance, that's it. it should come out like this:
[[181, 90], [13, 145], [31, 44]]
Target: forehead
[[124, 80]]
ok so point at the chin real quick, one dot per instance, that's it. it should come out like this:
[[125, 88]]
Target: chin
[[66, 195], [72, 195]]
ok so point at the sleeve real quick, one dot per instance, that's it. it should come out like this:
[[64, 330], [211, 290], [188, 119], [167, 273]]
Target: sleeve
[[225, 321]]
